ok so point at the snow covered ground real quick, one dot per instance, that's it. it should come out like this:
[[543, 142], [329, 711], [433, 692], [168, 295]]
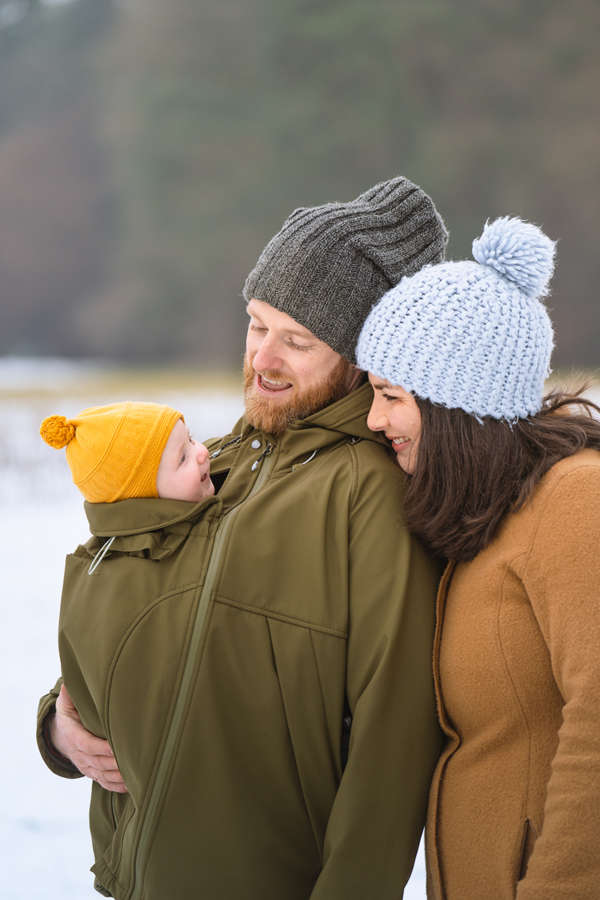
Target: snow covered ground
[[44, 846]]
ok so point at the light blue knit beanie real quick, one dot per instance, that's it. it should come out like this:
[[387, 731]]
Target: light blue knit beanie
[[470, 335]]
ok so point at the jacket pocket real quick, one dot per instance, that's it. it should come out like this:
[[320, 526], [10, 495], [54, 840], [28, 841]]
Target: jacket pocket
[[528, 840], [111, 816], [305, 661]]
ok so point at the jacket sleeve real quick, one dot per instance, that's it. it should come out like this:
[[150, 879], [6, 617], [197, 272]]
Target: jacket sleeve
[[57, 763], [379, 810], [562, 579]]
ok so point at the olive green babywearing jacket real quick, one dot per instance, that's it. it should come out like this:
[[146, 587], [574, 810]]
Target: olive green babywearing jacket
[[218, 647]]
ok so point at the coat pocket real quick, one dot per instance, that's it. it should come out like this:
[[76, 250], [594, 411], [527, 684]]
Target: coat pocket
[[111, 816], [309, 669], [528, 840]]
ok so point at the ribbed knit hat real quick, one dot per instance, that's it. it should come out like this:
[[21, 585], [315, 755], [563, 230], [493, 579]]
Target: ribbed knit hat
[[329, 264], [470, 335], [113, 451]]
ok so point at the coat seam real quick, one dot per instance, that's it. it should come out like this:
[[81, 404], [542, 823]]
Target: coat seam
[[282, 617], [354, 464], [297, 766], [447, 752], [515, 693], [321, 691]]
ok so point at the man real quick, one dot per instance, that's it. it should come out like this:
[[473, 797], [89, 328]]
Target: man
[[297, 761]]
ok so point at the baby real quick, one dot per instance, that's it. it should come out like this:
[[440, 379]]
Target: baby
[[129, 450], [131, 595]]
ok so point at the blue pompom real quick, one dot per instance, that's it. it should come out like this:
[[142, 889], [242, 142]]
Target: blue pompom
[[519, 251]]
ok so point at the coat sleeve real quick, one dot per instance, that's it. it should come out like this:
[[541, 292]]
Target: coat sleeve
[[562, 579], [57, 763], [379, 810]]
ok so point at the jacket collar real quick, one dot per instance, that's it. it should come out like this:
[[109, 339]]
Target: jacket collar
[[126, 517], [344, 421]]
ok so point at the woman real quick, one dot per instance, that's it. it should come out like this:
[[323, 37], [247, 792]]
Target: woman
[[505, 484]]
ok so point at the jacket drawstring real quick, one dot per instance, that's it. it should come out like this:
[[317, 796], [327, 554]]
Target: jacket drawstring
[[266, 452], [308, 459], [100, 555]]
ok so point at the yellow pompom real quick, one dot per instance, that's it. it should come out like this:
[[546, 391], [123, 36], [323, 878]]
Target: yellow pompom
[[57, 431]]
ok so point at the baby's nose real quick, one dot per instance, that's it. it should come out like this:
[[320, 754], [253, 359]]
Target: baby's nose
[[201, 453]]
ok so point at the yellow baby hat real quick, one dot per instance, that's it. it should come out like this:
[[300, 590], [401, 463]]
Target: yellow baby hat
[[113, 451]]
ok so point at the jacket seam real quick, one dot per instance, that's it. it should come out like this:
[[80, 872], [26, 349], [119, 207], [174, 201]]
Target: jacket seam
[[282, 617], [124, 640], [321, 695], [354, 465], [297, 766], [515, 693], [435, 864]]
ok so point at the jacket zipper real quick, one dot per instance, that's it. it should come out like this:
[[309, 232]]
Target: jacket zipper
[[219, 450], [164, 765]]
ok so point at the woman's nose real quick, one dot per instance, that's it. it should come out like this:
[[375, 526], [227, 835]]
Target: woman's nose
[[376, 419]]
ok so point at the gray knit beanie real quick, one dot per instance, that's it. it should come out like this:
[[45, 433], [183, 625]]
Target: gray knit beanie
[[329, 264]]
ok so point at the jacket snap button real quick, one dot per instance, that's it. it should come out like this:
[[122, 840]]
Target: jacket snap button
[[255, 444]]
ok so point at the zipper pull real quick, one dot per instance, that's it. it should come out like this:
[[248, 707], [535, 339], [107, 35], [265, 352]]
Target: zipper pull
[[220, 449], [266, 452]]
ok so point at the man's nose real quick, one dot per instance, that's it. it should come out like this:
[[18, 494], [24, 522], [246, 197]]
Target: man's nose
[[267, 356]]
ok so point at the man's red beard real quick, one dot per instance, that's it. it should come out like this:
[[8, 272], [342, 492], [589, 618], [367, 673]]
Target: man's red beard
[[273, 417]]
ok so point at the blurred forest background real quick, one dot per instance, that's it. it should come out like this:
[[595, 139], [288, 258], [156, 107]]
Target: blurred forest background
[[149, 149]]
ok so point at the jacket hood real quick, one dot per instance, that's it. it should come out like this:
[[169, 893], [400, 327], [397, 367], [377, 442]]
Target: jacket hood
[[347, 416]]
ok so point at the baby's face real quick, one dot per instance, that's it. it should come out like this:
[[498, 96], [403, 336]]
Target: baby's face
[[183, 473]]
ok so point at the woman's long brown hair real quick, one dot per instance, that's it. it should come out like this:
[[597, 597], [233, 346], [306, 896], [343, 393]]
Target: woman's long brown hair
[[470, 473]]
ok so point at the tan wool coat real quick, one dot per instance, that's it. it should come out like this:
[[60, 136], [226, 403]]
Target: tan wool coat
[[515, 800]]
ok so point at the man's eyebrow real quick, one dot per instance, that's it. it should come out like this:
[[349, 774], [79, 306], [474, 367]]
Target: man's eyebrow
[[300, 331]]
